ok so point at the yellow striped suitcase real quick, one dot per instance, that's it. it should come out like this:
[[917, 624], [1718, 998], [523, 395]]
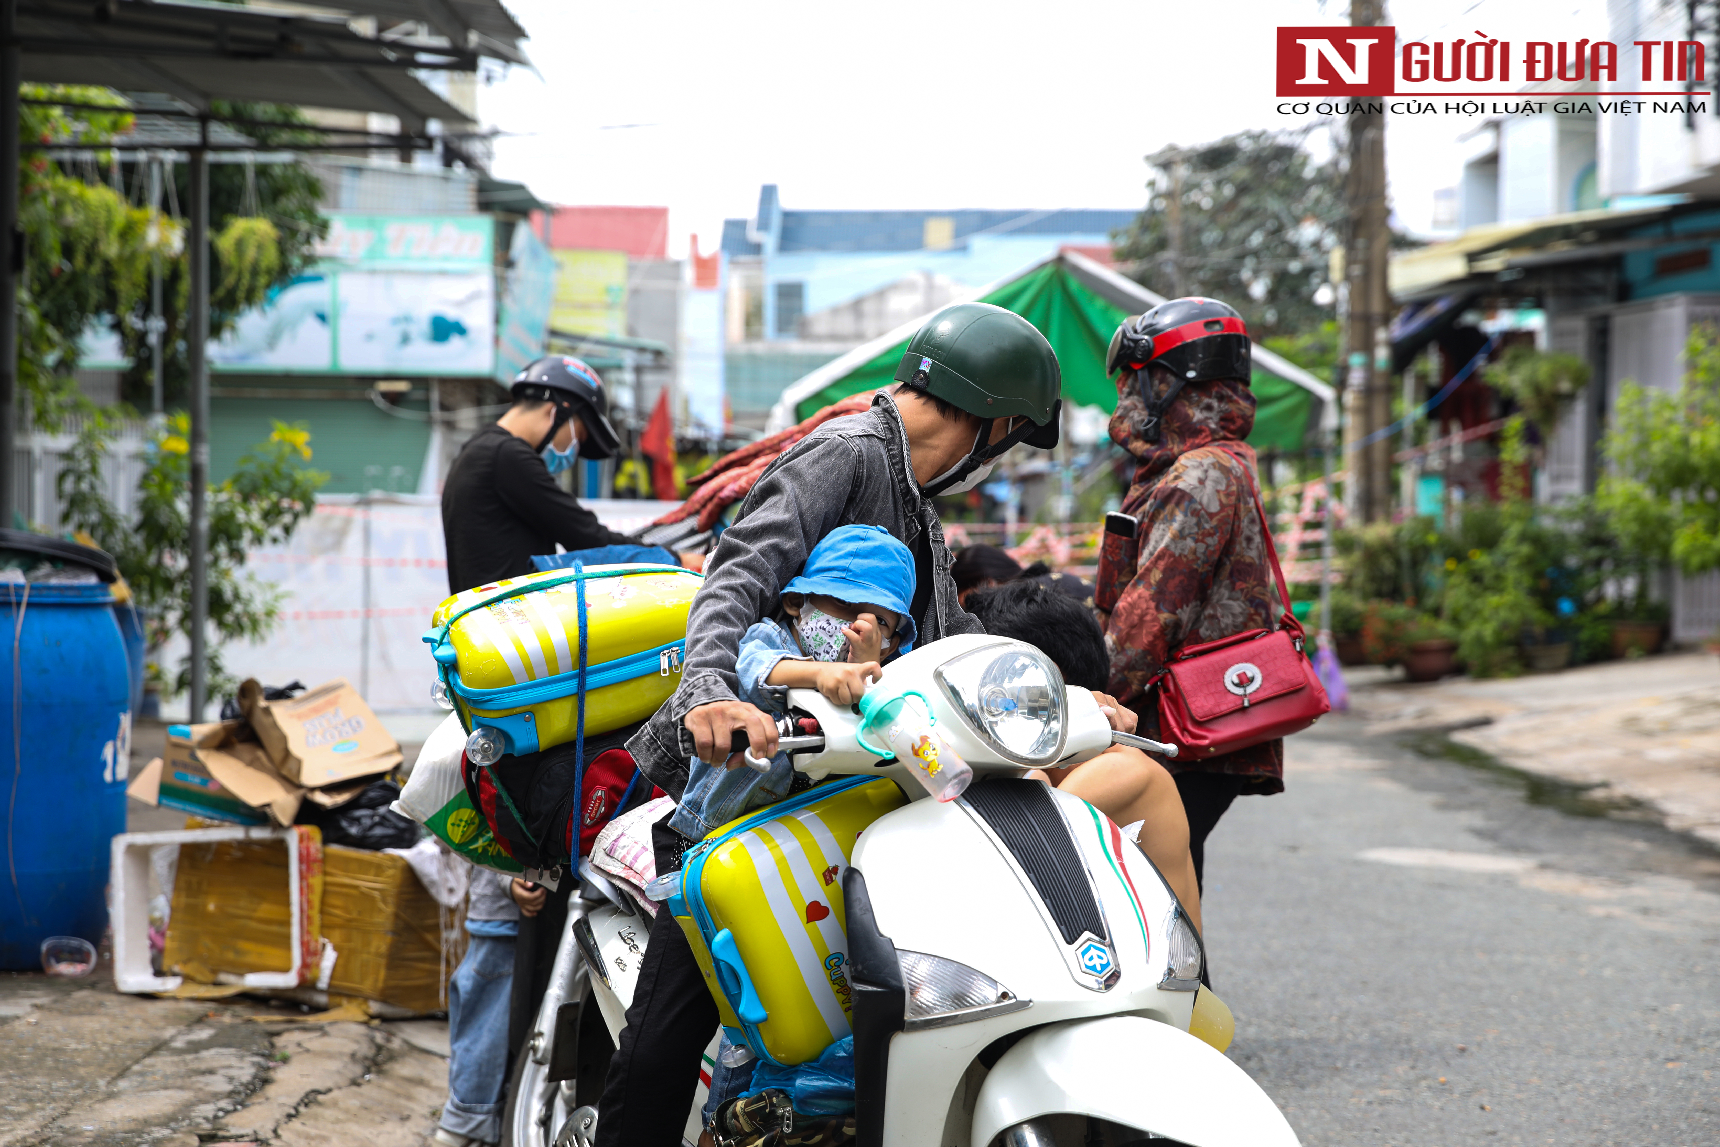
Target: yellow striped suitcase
[[508, 653], [761, 904]]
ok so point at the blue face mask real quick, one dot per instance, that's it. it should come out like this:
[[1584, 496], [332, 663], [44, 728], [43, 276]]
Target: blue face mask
[[558, 460]]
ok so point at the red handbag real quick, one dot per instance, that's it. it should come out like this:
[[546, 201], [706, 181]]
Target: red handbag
[[1220, 696]]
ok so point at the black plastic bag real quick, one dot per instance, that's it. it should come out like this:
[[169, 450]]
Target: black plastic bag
[[365, 821]]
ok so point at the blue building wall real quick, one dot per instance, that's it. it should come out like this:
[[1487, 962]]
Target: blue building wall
[[838, 256], [1676, 265]]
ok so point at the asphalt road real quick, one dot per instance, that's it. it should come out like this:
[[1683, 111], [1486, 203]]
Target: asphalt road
[[1421, 951]]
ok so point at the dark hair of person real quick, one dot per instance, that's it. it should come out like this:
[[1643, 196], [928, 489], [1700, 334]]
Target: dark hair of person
[[980, 563], [1062, 628], [944, 407], [529, 405]]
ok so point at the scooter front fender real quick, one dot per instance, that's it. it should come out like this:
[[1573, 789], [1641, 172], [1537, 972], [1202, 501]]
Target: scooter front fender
[[1134, 1071]]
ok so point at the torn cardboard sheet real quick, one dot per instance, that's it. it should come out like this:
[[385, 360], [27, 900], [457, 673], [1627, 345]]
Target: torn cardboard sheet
[[320, 738]]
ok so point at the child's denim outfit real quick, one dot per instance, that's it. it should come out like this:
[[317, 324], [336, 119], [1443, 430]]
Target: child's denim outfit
[[478, 998], [716, 795]]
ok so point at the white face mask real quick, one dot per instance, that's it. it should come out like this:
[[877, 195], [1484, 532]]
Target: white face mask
[[965, 484]]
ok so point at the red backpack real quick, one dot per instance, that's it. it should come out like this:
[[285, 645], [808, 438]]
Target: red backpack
[[529, 801]]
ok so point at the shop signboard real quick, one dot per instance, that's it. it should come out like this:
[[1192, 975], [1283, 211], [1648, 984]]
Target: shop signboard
[[528, 293], [409, 295]]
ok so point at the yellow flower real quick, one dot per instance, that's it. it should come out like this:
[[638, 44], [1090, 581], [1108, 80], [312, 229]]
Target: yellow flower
[[296, 437], [175, 444], [1474, 555], [1450, 563]]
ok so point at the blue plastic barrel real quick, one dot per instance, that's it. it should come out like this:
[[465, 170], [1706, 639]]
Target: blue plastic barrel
[[65, 745], [130, 620]]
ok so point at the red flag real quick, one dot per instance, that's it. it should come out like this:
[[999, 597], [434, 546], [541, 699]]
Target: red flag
[[658, 444]]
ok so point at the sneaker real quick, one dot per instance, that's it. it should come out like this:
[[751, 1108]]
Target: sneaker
[[442, 1137]]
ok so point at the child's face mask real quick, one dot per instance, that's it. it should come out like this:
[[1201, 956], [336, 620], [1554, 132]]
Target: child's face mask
[[821, 634]]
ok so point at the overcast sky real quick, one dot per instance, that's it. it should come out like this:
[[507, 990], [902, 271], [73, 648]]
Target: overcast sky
[[929, 104]]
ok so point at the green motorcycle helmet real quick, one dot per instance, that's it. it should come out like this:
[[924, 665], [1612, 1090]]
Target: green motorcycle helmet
[[991, 363]]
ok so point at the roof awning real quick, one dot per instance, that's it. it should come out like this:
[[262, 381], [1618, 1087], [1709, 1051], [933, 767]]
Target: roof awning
[[1475, 256], [483, 26], [501, 196], [198, 52]]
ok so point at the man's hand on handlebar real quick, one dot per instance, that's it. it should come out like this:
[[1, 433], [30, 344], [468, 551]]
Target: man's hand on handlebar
[[716, 725]]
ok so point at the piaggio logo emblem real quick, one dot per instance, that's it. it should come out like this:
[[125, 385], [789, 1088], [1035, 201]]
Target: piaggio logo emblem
[[1335, 61], [1095, 958]]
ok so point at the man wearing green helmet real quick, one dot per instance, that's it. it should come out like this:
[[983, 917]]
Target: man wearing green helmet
[[974, 381]]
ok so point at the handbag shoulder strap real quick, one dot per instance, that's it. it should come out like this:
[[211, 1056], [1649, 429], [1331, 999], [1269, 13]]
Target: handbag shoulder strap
[[1288, 621]]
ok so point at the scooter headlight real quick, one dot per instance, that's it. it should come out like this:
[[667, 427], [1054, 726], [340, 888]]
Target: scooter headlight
[[1185, 955], [943, 992], [1013, 697]]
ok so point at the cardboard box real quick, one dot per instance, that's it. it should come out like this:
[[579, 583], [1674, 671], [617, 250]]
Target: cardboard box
[[248, 771], [385, 932], [320, 738], [184, 780]]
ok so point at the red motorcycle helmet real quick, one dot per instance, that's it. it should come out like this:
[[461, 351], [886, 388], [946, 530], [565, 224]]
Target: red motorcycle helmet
[[1195, 339]]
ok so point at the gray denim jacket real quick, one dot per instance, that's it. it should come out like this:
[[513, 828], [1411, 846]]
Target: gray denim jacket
[[850, 470]]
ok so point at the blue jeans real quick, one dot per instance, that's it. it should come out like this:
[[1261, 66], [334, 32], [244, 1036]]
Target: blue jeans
[[478, 1038], [726, 1082]]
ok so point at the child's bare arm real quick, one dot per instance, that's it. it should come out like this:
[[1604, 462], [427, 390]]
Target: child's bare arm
[[842, 683]]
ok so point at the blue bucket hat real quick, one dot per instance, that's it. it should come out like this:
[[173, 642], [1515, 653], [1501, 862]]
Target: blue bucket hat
[[862, 565]]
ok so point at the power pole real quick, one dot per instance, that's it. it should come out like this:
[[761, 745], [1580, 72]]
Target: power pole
[[1369, 248], [1178, 170]]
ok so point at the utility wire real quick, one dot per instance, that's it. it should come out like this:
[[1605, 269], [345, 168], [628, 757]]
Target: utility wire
[[1444, 393]]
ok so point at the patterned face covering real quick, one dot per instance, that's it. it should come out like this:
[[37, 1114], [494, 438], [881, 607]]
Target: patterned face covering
[[821, 634]]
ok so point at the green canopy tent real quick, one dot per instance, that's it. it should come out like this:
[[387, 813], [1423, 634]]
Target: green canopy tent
[[1077, 304]]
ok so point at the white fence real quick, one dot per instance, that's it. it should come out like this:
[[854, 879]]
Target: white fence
[[41, 457], [361, 577]]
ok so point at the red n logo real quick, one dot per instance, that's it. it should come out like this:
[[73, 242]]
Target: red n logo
[[1335, 61]]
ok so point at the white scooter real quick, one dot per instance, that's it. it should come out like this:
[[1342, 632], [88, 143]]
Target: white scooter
[[1023, 976]]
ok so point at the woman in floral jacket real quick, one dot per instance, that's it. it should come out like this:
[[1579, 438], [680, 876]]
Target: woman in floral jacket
[[1203, 571]]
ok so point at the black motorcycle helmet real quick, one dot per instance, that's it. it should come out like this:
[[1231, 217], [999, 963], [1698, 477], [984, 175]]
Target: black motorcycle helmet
[[1195, 339], [576, 392]]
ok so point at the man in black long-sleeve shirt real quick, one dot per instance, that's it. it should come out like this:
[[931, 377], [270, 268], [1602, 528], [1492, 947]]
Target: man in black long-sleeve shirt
[[501, 504]]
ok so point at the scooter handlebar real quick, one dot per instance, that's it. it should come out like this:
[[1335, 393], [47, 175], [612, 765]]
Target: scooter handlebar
[[1151, 746]]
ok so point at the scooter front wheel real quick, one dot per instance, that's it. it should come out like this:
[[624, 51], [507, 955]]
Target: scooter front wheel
[[535, 1108]]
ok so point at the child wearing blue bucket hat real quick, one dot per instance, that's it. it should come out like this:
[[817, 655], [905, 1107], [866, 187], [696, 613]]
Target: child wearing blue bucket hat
[[838, 622]]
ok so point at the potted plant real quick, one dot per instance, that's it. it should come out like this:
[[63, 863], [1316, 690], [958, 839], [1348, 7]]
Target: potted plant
[[1546, 650], [1639, 630], [1347, 628], [1432, 651], [1386, 630]]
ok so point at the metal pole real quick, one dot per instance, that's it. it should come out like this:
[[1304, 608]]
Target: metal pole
[[196, 343], [364, 508], [11, 255], [1328, 519], [157, 321]]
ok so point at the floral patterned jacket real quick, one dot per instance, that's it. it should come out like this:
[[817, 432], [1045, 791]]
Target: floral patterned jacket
[[1203, 571]]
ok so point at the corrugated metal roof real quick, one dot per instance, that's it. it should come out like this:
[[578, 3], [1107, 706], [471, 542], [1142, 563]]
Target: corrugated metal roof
[[198, 52], [735, 241]]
